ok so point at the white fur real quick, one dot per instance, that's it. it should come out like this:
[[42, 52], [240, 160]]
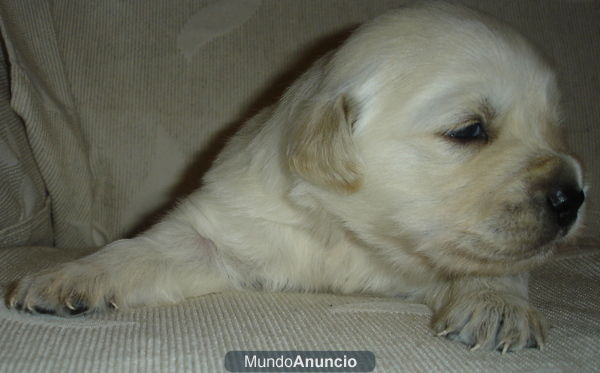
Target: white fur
[[349, 185]]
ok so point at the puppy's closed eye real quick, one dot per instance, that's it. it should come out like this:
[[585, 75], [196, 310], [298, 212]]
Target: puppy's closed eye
[[473, 131]]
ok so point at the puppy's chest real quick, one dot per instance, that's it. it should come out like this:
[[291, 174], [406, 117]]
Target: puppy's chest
[[345, 267]]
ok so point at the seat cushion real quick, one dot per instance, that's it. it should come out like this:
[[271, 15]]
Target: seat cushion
[[194, 336]]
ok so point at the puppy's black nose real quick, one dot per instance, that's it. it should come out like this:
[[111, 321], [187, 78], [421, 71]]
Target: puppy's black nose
[[565, 202]]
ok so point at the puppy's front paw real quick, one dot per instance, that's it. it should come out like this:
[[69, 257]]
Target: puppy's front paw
[[69, 289], [491, 321]]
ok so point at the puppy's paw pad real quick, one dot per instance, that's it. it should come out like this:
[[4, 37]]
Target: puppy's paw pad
[[42, 310]]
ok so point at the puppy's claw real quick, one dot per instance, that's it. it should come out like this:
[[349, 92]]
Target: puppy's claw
[[69, 305], [113, 305], [443, 333], [505, 348], [79, 308], [476, 347]]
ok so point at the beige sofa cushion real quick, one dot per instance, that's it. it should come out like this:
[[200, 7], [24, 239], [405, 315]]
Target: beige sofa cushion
[[194, 336]]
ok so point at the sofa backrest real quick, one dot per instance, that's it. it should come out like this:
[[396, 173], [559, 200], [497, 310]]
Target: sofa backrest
[[122, 105]]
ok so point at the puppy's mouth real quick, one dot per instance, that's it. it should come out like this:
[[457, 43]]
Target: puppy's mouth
[[475, 245], [476, 256]]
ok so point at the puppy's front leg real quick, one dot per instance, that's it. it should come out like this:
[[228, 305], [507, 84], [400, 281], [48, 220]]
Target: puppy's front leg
[[487, 313], [168, 263]]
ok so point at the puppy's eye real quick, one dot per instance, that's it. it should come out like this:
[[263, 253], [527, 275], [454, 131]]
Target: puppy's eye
[[471, 132]]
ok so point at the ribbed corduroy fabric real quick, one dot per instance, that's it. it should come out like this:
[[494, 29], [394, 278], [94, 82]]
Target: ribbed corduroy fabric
[[25, 209], [126, 103], [41, 96], [194, 336]]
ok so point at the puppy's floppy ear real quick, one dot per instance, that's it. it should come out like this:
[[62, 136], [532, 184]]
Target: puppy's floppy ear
[[320, 147]]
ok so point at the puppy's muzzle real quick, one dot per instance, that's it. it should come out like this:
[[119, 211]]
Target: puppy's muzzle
[[564, 202]]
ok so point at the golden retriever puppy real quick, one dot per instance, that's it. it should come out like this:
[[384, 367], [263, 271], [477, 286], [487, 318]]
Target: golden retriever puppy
[[421, 159]]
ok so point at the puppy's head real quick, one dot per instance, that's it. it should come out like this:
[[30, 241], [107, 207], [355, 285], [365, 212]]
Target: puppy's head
[[435, 132]]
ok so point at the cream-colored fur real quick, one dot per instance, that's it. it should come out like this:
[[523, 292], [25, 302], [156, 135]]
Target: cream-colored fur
[[352, 184]]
